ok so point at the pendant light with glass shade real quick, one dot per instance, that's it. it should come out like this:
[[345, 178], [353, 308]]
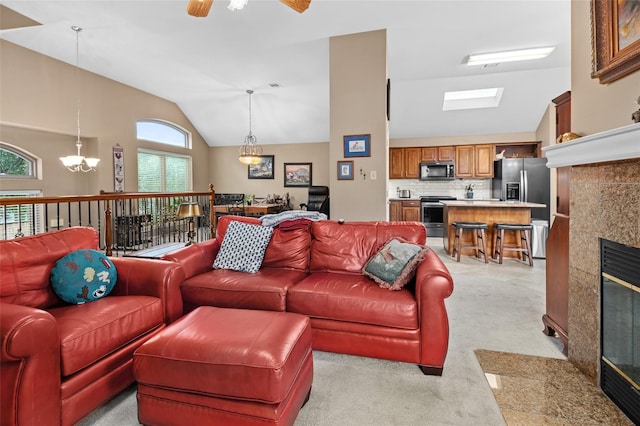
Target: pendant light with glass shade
[[250, 151], [78, 163]]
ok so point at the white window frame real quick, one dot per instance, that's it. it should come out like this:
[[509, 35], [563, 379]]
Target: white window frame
[[35, 169], [166, 124]]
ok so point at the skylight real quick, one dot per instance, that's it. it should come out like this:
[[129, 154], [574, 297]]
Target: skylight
[[471, 99]]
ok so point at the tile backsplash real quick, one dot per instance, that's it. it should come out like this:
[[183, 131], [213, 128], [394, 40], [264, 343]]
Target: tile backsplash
[[418, 188]]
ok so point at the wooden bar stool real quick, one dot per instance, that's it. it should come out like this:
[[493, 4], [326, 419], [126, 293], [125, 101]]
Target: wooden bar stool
[[524, 247], [478, 245]]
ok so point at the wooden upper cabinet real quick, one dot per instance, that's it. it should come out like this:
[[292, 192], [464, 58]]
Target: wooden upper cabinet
[[404, 163], [446, 153], [412, 157], [396, 163], [464, 161], [474, 161], [434, 154], [483, 163], [430, 154]]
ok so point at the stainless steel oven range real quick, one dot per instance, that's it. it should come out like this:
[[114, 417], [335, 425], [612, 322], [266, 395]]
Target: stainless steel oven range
[[432, 213]]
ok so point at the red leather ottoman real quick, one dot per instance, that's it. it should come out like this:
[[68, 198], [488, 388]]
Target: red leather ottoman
[[220, 366]]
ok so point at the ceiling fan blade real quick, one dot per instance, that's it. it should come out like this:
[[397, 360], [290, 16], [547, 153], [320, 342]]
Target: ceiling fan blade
[[297, 5], [199, 8]]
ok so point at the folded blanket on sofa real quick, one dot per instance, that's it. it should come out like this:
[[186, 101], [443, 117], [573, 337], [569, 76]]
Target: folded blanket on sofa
[[277, 218]]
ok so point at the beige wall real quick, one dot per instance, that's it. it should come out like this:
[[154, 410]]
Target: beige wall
[[38, 113], [358, 106], [230, 175], [596, 107]]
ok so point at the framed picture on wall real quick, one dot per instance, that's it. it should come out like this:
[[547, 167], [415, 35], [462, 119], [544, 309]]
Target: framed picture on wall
[[357, 146], [297, 174], [616, 39], [345, 170], [262, 170]]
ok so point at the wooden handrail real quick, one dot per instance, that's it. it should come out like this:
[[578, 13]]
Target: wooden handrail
[[79, 207]]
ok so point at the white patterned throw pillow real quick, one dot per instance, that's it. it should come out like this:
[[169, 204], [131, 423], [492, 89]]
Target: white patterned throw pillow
[[243, 247]]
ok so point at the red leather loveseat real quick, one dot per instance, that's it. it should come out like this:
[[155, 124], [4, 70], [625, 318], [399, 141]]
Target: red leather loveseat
[[316, 270], [60, 361]]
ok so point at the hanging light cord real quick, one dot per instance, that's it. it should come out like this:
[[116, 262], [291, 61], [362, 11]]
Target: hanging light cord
[[77, 30], [250, 92]]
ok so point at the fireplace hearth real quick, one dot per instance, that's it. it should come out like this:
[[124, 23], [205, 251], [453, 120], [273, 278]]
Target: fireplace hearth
[[620, 326]]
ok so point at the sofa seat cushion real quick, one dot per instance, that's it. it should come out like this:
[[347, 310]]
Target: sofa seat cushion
[[265, 290], [352, 298], [90, 331]]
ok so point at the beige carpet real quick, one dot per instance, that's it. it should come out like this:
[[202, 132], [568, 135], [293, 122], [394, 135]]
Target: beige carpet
[[532, 390]]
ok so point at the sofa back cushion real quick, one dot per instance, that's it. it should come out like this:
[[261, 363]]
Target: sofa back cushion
[[348, 246], [289, 246], [26, 264]]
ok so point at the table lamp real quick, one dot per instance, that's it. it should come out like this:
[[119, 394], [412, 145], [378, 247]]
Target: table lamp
[[190, 210]]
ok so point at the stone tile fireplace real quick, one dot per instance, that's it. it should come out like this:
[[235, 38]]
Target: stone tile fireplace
[[604, 203]]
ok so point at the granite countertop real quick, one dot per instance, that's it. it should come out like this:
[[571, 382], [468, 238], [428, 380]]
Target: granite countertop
[[490, 203], [405, 199]]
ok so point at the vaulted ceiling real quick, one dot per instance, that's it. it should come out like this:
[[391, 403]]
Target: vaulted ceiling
[[205, 65]]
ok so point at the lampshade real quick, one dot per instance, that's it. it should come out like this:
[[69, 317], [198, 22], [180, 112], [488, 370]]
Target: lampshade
[[190, 209], [199, 8], [250, 151], [237, 4], [297, 5]]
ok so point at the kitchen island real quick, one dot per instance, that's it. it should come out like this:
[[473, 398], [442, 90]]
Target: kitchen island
[[489, 212]]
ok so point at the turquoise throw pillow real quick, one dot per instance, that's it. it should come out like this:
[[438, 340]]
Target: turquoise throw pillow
[[83, 276], [395, 263]]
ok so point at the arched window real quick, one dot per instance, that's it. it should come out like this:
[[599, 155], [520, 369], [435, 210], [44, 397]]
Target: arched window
[[163, 132], [16, 163]]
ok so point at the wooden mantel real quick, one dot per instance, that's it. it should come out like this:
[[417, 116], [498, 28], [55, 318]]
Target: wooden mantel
[[611, 145]]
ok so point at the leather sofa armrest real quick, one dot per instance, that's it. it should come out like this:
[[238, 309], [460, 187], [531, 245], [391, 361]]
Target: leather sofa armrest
[[433, 285], [196, 258], [30, 369], [151, 277]]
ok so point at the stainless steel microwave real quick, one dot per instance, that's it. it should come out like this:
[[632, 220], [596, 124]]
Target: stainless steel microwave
[[437, 171]]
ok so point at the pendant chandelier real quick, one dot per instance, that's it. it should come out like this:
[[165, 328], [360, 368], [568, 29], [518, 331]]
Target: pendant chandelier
[[250, 151], [78, 163]]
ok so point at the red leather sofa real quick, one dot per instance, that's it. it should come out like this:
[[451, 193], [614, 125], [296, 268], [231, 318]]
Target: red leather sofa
[[61, 361], [316, 270]]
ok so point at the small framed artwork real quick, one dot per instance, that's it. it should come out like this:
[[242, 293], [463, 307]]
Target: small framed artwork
[[262, 170], [297, 174], [118, 168], [357, 146], [345, 170]]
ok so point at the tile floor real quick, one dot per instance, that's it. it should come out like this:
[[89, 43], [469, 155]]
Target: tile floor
[[534, 390]]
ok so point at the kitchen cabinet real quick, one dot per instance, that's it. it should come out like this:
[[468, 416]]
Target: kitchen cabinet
[[404, 210], [404, 163], [483, 161], [519, 149], [434, 154], [464, 161], [474, 161]]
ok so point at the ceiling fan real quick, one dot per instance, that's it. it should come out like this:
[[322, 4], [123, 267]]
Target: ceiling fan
[[200, 8]]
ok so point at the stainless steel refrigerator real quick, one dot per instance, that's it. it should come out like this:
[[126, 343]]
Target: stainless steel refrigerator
[[523, 179]]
